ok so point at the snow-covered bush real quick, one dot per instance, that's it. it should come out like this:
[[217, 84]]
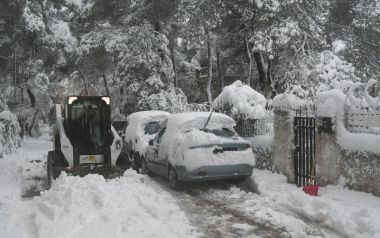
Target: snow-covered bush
[[319, 72], [240, 100], [172, 100], [9, 133]]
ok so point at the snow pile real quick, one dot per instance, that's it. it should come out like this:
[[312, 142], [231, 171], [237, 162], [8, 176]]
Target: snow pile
[[240, 99], [336, 212], [136, 124], [331, 103], [294, 97], [183, 131], [9, 133], [288, 101], [13, 215], [9, 196], [94, 207]]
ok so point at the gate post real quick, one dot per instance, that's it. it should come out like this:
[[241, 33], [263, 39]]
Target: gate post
[[327, 153], [283, 143]]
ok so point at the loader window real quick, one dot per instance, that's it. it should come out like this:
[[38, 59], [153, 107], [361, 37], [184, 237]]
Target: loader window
[[90, 123]]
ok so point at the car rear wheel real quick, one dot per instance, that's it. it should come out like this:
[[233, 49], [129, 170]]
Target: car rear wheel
[[173, 179]]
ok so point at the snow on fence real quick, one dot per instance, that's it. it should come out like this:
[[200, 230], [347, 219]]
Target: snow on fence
[[362, 120]]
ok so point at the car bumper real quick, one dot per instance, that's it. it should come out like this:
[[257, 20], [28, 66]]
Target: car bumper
[[208, 173], [106, 172]]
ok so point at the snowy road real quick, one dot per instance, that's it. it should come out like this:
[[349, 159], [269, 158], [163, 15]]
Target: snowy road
[[140, 206], [216, 218]]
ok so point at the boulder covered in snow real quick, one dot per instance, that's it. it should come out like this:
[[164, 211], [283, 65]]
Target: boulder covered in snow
[[240, 99]]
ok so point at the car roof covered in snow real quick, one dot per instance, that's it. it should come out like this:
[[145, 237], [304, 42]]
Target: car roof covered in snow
[[147, 116], [189, 120], [137, 120]]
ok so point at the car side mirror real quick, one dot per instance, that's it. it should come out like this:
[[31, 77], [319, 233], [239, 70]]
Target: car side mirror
[[151, 142]]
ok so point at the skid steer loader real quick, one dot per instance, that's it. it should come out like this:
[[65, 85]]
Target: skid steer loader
[[84, 140]]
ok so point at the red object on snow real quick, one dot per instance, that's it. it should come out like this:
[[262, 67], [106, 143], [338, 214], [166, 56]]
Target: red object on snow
[[312, 190]]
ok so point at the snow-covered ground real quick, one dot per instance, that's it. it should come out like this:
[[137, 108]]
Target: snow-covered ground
[[85, 207], [139, 206], [336, 212]]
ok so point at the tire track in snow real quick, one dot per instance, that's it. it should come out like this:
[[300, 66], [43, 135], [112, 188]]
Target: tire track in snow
[[216, 219]]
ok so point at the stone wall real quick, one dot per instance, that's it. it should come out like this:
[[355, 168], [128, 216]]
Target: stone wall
[[328, 159], [283, 143], [361, 171]]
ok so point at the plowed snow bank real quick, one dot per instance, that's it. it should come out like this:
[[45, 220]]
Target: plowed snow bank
[[95, 207]]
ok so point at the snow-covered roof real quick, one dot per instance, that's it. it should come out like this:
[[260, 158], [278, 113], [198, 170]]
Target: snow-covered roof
[[189, 120], [135, 129], [243, 99], [137, 120]]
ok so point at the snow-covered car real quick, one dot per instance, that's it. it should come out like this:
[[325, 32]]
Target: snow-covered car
[[142, 127], [196, 147]]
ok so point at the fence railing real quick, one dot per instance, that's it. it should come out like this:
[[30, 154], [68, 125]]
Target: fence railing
[[254, 127], [362, 120]]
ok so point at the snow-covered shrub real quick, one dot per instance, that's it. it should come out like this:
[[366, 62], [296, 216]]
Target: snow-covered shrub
[[318, 72], [9, 133], [240, 100], [172, 100]]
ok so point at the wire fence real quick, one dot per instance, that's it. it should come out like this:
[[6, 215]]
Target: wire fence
[[362, 120], [254, 127]]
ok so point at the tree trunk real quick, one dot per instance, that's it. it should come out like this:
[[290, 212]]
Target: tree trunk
[[106, 85], [269, 87], [249, 54], [209, 55], [261, 69], [171, 48], [220, 70], [84, 81], [31, 97]]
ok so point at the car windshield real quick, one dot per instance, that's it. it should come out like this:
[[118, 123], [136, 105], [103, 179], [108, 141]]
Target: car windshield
[[152, 128], [225, 132]]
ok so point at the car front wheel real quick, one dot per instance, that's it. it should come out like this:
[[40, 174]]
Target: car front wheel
[[173, 179]]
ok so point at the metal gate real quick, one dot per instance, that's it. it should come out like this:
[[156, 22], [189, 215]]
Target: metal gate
[[304, 151]]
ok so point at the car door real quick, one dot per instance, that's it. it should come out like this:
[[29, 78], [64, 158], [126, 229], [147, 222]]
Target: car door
[[158, 158], [153, 151]]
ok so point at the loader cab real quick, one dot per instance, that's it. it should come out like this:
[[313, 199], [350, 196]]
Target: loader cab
[[88, 127]]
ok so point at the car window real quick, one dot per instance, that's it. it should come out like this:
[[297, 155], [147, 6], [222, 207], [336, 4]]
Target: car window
[[160, 134], [225, 132], [152, 128]]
